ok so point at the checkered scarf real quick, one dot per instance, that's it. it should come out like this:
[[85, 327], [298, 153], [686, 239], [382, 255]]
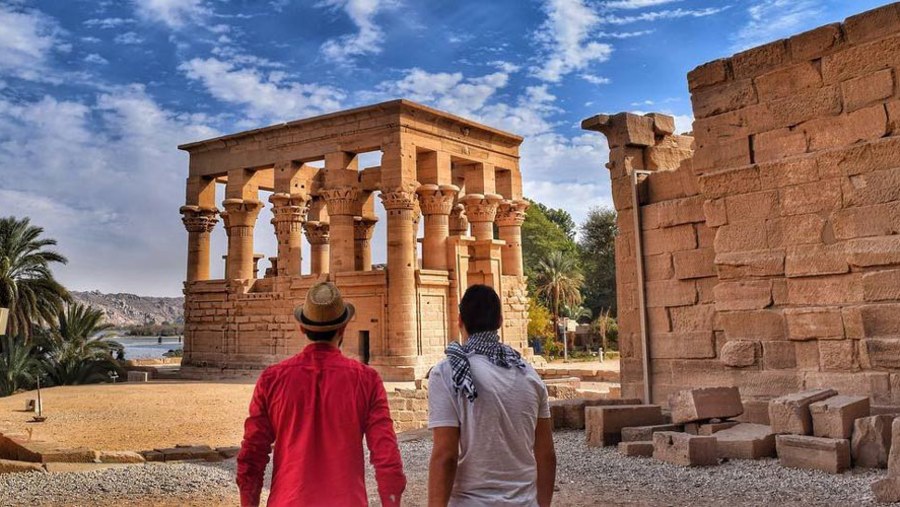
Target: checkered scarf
[[486, 343]]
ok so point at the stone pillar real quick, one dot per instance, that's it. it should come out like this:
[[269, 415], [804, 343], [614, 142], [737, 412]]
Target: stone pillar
[[289, 214], [240, 221], [199, 222], [399, 203], [341, 203], [481, 211], [256, 258], [318, 235], [436, 202], [363, 227], [510, 217], [459, 224]]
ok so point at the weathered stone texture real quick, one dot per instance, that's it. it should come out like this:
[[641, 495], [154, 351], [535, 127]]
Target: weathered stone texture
[[603, 425], [834, 417], [685, 450], [705, 403], [746, 441], [871, 442], [790, 413], [640, 449], [827, 454]]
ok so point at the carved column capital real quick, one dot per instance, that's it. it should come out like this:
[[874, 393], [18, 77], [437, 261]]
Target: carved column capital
[[511, 213], [288, 211], [363, 227], [240, 212], [340, 200], [481, 208], [437, 199], [197, 219], [317, 232], [400, 198]]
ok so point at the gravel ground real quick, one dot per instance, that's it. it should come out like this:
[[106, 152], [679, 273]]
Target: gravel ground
[[586, 476]]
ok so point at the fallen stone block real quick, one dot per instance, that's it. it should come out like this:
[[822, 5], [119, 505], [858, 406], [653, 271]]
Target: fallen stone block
[[645, 433], [228, 452], [830, 455], [569, 414], [871, 442], [603, 425], [746, 441], [685, 450], [709, 428], [185, 452], [691, 405], [8, 466], [119, 457], [887, 490], [636, 449], [755, 412], [155, 456], [894, 454], [790, 413], [833, 417]]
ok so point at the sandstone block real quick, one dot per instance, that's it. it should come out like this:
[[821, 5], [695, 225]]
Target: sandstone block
[[692, 318], [871, 442], [737, 265], [872, 187], [761, 325], [740, 180], [663, 124], [708, 74], [813, 453], [816, 197], [741, 236], [864, 124], [228, 452], [715, 212], [685, 450], [834, 417], [815, 43], [824, 290], [694, 263], [569, 414], [739, 353], [786, 81], [743, 295], [873, 24], [691, 405], [119, 457], [814, 323], [880, 320], [881, 285], [711, 428], [724, 98], [867, 90], [603, 425], [779, 355], [894, 454], [746, 441], [790, 413], [887, 490], [645, 433], [757, 60], [669, 239], [8, 466], [883, 352], [778, 144], [636, 449], [671, 293], [755, 412], [798, 108]]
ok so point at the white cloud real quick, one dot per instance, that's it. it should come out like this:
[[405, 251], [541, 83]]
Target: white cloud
[[265, 97], [96, 59], [623, 35], [105, 179], [128, 38], [597, 80], [664, 14], [368, 37], [444, 90], [174, 13], [772, 19], [565, 40], [27, 41], [107, 22], [636, 4]]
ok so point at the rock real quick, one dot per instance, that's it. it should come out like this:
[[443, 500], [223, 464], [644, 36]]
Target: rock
[[119, 457], [692, 405], [685, 450], [833, 417], [813, 453], [603, 425], [637, 449], [871, 442], [8, 466], [746, 441], [739, 353], [645, 433], [887, 490], [790, 413]]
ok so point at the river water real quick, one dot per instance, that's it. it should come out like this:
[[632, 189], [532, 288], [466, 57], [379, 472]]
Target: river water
[[147, 347]]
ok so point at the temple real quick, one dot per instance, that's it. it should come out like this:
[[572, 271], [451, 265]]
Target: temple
[[461, 178]]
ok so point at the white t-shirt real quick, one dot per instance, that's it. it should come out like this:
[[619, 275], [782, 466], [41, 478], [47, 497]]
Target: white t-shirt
[[496, 431]]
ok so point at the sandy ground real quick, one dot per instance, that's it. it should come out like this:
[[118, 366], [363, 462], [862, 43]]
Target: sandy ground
[[135, 416]]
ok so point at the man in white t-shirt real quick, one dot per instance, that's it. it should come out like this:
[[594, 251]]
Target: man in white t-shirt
[[490, 418]]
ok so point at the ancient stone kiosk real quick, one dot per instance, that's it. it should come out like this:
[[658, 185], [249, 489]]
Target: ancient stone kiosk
[[452, 171]]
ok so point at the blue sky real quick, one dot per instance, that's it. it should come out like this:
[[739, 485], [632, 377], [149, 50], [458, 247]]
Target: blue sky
[[95, 95]]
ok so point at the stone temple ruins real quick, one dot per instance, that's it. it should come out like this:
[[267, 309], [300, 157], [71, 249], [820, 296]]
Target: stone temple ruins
[[459, 177]]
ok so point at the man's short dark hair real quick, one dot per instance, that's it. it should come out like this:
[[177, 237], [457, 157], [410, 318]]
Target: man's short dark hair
[[320, 336], [480, 309]]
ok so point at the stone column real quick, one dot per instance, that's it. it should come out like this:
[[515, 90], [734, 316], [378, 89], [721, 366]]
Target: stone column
[[341, 203], [289, 214], [399, 203], [510, 217], [240, 221], [481, 211], [199, 222], [363, 227], [459, 224], [436, 201], [318, 235]]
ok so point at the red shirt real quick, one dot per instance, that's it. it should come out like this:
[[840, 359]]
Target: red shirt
[[316, 407]]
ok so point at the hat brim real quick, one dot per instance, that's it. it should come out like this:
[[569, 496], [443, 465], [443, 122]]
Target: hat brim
[[309, 325]]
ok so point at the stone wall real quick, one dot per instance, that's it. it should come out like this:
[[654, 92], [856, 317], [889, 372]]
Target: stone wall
[[789, 278]]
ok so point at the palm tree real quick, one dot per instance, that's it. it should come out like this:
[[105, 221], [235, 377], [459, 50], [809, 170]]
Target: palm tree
[[559, 280], [77, 351], [19, 365], [604, 325], [27, 286]]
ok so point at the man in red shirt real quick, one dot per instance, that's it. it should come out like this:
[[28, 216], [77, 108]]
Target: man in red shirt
[[316, 407]]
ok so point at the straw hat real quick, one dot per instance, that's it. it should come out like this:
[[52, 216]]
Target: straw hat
[[324, 309]]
